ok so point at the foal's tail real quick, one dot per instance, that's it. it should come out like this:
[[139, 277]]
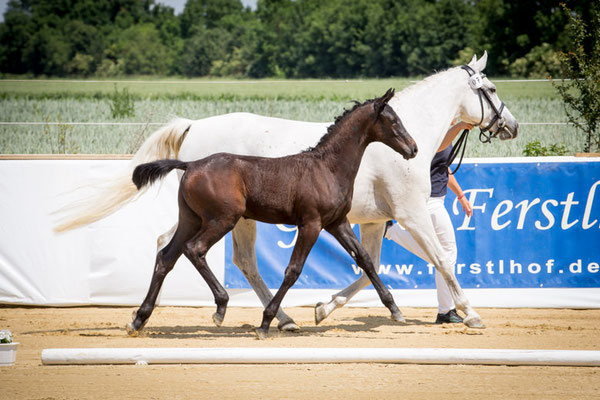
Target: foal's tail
[[145, 174], [111, 194]]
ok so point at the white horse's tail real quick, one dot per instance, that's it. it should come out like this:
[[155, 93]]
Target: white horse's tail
[[115, 192]]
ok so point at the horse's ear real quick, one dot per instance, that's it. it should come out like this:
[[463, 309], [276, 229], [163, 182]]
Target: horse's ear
[[480, 64], [383, 100], [473, 61], [388, 95]]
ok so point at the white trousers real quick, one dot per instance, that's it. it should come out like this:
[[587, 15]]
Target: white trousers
[[445, 233]]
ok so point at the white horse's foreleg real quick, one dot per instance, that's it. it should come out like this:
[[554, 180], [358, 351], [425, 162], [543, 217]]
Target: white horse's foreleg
[[371, 236], [472, 319], [421, 228], [244, 256]]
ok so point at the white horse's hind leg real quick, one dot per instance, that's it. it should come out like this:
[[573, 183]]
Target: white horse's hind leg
[[162, 241], [244, 256], [165, 238], [371, 236]]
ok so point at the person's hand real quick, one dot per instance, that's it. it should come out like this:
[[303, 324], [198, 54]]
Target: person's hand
[[466, 206]]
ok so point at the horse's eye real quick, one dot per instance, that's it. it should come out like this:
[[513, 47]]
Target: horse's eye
[[493, 90]]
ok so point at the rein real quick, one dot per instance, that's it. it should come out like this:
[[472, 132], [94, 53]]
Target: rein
[[461, 142], [475, 81]]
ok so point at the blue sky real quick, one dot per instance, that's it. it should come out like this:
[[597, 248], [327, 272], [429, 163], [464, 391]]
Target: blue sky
[[3, 4], [179, 4], [176, 4]]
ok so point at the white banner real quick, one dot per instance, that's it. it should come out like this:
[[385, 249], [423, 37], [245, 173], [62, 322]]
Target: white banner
[[106, 263]]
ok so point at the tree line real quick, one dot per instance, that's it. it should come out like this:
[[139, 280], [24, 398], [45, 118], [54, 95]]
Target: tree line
[[283, 38]]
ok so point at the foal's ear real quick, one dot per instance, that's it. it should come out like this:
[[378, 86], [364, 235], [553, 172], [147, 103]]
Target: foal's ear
[[381, 102]]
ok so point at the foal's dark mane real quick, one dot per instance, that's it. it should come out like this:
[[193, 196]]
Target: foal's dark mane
[[332, 129]]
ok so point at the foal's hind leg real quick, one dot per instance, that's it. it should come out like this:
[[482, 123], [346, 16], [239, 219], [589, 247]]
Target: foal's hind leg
[[344, 234], [165, 261], [370, 237], [244, 256], [195, 250]]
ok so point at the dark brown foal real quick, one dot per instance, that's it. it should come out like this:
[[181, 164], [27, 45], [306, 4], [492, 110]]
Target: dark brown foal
[[312, 190]]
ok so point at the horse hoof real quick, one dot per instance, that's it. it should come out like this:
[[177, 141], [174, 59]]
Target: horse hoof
[[474, 322], [288, 326], [131, 331], [397, 316], [130, 327], [320, 313], [218, 319], [261, 334]]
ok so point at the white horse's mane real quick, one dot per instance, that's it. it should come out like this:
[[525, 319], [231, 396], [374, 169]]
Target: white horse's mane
[[424, 82]]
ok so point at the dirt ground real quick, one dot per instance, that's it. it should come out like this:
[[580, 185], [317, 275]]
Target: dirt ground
[[40, 328]]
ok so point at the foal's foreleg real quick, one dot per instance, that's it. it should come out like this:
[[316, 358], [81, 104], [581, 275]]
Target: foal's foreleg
[[344, 234], [307, 236], [370, 237], [244, 256]]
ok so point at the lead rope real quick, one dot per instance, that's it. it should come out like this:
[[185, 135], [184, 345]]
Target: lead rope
[[461, 142]]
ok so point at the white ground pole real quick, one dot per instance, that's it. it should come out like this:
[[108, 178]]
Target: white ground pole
[[278, 355]]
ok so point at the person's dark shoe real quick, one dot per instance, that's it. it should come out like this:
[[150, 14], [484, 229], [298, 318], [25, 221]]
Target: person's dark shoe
[[388, 224], [451, 317]]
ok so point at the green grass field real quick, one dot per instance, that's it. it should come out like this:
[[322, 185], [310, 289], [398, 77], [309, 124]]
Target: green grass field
[[242, 89], [156, 101]]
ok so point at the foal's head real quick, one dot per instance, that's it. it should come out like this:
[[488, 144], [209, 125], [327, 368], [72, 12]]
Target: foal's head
[[388, 128]]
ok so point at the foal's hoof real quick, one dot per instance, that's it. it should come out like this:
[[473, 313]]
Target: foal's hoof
[[320, 313], [131, 331], [130, 327], [218, 319], [397, 316], [261, 333], [288, 326], [474, 322]]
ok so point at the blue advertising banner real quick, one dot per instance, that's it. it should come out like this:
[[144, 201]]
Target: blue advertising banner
[[534, 224]]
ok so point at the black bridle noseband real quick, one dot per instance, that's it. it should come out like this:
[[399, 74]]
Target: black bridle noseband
[[476, 83]]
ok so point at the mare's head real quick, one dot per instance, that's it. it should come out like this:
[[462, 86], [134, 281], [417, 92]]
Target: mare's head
[[481, 105], [388, 128]]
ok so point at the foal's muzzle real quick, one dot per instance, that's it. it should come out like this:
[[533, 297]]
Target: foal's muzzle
[[410, 150]]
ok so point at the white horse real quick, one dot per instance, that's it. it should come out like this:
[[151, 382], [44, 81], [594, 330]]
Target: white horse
[[387, 186]]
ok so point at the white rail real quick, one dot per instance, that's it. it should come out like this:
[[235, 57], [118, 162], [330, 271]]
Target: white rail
[[285, 355]]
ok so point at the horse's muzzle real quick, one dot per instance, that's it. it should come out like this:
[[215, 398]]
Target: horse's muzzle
[[410, 151], [508, 132]]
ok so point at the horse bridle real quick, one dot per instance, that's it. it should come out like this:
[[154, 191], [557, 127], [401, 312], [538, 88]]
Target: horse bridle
[[476, 83], [485, 138]]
